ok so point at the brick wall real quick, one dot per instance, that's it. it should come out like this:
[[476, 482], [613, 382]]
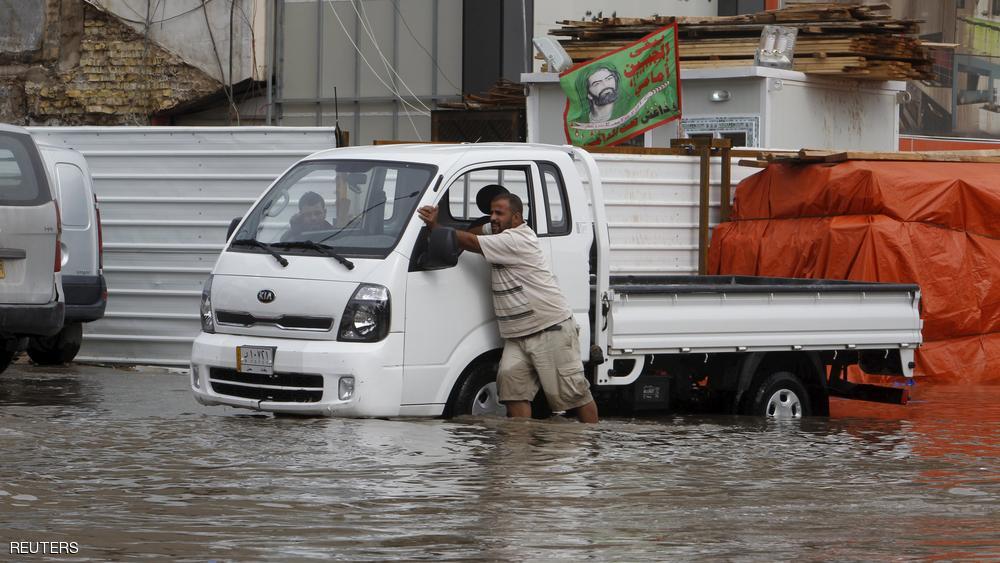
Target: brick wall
[[94, 70]]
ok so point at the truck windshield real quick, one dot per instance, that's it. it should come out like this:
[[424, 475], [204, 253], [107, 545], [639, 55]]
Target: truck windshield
[[353, 207]]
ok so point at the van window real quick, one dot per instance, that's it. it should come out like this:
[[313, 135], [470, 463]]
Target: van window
[[462, 192], [73, 201], [22, 179]]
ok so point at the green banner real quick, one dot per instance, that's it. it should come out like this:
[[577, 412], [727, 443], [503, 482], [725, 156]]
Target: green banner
[[624, 93]]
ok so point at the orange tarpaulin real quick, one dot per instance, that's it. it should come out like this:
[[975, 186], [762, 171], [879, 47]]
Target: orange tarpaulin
[[931, 223]]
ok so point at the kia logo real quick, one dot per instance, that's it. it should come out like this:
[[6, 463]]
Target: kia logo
[[265, 296]]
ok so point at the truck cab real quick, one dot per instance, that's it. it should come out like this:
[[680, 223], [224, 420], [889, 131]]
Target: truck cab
[[331, 297]]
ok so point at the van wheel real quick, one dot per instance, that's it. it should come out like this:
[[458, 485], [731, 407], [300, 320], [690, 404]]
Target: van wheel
[[779, 395], [478, 395], [58, 349]]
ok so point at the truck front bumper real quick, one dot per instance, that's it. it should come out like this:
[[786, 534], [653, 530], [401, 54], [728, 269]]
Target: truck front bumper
[[308, 376]]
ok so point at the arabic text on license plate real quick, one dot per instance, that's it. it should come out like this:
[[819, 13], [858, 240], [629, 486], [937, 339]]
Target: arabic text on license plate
[[255, 359]]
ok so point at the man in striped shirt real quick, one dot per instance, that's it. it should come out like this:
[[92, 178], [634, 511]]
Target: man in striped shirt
[[541, 339]]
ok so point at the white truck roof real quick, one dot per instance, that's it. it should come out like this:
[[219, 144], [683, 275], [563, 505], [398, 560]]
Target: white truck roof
[[440, 154]]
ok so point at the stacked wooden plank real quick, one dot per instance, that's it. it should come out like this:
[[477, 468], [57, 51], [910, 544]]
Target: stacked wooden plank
[[857, 41], [505, 94], [814, 156]]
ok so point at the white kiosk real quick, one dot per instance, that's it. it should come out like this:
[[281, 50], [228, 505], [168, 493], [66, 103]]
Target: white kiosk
[[754, 107]]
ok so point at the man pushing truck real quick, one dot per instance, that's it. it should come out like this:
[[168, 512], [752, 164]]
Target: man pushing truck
[[541, 339]]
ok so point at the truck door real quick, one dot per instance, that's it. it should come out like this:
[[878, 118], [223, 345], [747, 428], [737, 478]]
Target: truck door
[[449, 312], [569, 247]]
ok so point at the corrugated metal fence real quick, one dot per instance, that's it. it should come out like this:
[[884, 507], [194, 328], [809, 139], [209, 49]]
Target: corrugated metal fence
[[167, 196]]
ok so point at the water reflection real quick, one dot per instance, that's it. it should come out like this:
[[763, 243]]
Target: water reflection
[[126, 465]]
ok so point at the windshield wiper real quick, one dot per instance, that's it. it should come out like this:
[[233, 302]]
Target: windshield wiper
[[266, 247], [321, 248]]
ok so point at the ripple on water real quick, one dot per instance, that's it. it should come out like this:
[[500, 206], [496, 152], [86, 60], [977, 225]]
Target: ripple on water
[[124, 478]]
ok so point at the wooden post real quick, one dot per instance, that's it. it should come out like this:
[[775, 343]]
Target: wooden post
[[704, 204], [725, 205], [702, 147]]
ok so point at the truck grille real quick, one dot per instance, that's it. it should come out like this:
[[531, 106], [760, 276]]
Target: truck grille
[[287, 322], [261, 387]]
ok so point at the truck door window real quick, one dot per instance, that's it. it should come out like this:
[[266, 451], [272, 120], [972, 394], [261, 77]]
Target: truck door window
[[461, 198], [555, 199]]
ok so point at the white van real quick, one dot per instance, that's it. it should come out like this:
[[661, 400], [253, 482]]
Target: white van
[[82, 255], [31, 297], [331, 298]]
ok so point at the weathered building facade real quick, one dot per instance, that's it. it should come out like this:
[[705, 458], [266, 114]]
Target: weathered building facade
[[67, 62]]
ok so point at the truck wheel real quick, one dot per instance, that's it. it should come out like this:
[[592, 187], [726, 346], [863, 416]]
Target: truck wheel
[[6, 357], [58, 349], [478, 395], [779, 395]]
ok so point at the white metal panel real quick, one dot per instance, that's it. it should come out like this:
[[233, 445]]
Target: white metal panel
[[652, 208], [167, 196], [731, 322]]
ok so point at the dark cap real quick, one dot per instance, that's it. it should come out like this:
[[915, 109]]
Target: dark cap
[[486, 195]]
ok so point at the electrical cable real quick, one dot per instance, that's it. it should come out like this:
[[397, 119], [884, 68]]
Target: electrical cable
[[218, 59], [97, 4], [365, 60], [421, 45], [232, 15], [370, 30]]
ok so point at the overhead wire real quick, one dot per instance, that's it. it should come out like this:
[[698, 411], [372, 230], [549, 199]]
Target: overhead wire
[[222, 72], [97, 4], [372, 69], [370, 29], [365, 60], [421, 45]]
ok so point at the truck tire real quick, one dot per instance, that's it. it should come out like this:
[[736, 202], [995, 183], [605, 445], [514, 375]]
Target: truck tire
[[478, 394], [58, 349], [778, 395], [7, 354]]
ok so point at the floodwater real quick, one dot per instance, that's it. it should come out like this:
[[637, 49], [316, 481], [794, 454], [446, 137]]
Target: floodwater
[[127, 465]]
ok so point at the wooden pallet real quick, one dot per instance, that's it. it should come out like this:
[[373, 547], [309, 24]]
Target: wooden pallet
[[812, 156]]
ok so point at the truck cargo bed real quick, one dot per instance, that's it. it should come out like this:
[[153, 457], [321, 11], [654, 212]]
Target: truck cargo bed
[[701, 314]]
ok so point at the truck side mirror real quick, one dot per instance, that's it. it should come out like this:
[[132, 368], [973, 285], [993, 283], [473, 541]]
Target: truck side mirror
[[442, 250], [232, 227]]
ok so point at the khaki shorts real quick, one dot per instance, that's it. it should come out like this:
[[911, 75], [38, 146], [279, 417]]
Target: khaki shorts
[[549, 359]]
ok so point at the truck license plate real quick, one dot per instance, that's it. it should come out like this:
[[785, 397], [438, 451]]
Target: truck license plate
[[255, 359], [3, 273]]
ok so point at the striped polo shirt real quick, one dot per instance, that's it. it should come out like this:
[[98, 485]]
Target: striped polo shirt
[[526, 298]]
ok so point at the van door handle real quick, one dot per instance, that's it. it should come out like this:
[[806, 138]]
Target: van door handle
[[14, 253]]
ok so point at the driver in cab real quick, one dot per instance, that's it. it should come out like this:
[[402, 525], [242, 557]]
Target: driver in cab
[[311, 217]]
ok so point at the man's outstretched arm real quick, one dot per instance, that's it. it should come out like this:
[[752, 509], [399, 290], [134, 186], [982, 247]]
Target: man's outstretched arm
[[466, 240]]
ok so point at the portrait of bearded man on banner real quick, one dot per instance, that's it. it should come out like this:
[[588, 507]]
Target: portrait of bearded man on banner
[[600, 89]]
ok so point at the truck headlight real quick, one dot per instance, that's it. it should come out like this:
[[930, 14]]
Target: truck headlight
[[366, 317], [207, 318]]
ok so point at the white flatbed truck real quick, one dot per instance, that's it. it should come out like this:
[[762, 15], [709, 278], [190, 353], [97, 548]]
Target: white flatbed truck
[[369, 315]]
